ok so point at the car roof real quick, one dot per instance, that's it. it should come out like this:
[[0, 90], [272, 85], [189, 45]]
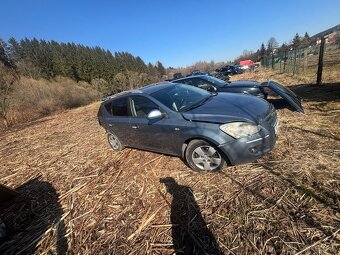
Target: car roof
[[155, 87], [147, 90], [123, 93]]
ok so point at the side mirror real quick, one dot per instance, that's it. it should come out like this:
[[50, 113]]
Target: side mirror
[[211, 88], [155, 114]]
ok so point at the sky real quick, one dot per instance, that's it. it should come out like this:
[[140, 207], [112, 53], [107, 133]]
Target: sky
[[177, 33]]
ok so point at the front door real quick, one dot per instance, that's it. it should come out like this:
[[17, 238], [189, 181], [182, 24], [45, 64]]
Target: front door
[[153, 135]]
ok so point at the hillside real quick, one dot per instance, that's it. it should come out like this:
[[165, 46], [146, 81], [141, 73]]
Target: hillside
[[79, 195]]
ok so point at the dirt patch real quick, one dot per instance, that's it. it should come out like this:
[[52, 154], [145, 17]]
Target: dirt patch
[[80, 197]]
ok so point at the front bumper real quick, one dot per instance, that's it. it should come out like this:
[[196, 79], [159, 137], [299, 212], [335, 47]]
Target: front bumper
[[248, 149]]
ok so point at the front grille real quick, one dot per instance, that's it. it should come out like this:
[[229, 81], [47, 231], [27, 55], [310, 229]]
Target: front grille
[[271, 118]]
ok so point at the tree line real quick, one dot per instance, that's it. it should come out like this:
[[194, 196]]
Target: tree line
[[38, 77], [273, 45], [48, 59]]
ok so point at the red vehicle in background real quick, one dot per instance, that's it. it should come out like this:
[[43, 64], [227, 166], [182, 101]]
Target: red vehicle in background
[[246, 62], [248, 65]]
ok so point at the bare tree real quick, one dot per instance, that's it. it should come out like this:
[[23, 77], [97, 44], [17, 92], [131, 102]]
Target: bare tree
[[272, 44]]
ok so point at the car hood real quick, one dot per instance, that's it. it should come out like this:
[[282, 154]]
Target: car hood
[[288, 95], [229, 107]]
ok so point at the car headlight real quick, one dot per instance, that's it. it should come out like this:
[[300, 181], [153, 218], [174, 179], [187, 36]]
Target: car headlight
[[239, 129]]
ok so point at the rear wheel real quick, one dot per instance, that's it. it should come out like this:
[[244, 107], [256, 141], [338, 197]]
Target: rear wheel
[[114, 142], [203, 156]]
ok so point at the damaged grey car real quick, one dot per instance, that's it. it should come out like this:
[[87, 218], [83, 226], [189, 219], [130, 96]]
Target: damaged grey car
[[205, 129]]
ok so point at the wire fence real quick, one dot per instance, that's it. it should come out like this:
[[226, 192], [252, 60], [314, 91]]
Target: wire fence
[[317, 63]]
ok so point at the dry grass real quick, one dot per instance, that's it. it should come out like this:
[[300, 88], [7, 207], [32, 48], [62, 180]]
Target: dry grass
[[330, 73], [306, 66], [80, 196], [31, 99]]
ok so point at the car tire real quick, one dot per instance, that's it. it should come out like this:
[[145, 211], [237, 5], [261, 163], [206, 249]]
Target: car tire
[[203, 156], [114, 142]]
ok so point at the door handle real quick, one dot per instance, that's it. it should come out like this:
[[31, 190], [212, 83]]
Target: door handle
[[135, 127]]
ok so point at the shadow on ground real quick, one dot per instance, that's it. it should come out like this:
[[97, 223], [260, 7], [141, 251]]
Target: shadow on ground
[[318, 133], [190, 234], [299, 214], [327, 198], [323, 93], [280, 103], [29, 216]]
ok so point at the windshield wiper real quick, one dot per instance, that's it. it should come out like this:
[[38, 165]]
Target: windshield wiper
[[199, 103]]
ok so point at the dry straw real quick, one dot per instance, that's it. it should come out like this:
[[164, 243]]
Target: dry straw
[[79, 196]]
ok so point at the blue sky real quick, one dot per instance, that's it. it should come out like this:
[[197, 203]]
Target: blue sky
[[177, 33]]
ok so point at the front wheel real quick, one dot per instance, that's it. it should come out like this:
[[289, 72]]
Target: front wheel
[[114, 142], [202, 156]]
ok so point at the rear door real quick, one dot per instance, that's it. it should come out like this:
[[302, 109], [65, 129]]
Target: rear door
[[119, 118], [288, 95]]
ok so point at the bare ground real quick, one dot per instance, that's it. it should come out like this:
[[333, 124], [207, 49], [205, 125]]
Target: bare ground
[[80, 197]]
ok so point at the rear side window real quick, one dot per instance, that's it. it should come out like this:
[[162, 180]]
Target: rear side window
[[118, 107]]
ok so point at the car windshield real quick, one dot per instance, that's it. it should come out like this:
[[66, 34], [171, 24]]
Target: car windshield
[[217, 82], [181, 97]]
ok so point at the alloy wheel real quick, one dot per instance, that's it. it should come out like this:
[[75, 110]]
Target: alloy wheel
[[206, 158], [114, 142]]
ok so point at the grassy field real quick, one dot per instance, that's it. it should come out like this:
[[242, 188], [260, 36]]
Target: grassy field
[[80, 197]]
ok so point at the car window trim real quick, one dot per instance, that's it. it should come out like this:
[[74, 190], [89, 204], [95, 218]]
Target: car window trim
[[130, 106]]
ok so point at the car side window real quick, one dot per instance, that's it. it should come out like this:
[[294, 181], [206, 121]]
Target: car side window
[[141, 106], [119, 107]]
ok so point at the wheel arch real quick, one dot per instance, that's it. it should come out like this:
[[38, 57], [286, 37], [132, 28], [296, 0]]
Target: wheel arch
[[207, 139]]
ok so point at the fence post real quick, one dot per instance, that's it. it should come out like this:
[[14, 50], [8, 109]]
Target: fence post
[[305, 59], [320, 64], [284, 62], [294, 65], [272, 61], [298, 62]]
